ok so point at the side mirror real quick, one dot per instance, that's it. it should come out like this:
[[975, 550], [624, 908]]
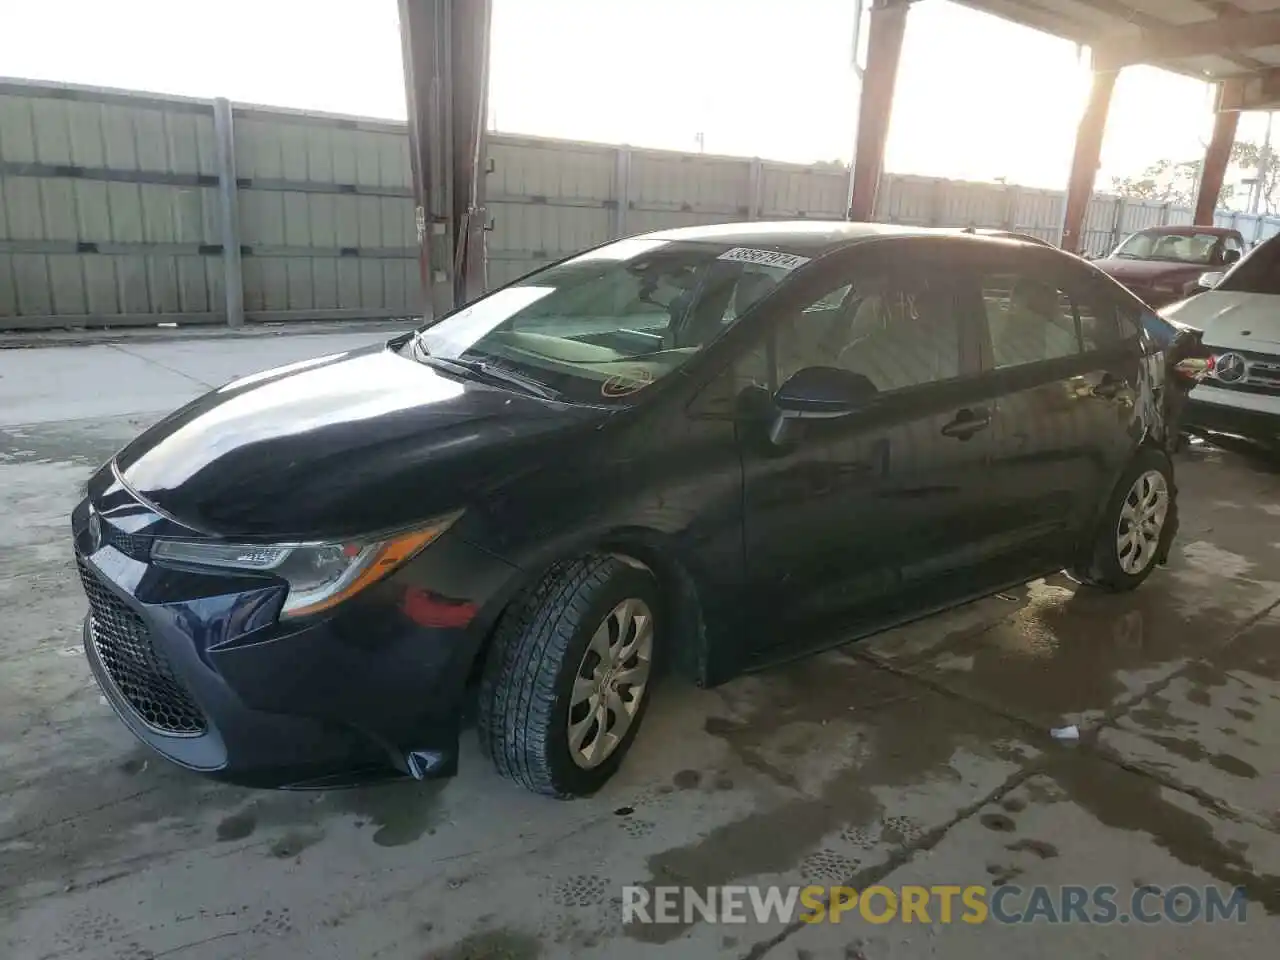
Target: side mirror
[[1207, 281], [823, 392], [1230, 256], [817, 393]]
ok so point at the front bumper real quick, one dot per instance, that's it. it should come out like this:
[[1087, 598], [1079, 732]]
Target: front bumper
[[1256, 416], [198, 667]]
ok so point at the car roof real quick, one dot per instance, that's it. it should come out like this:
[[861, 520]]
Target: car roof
[[816, 237], [1187, 229]]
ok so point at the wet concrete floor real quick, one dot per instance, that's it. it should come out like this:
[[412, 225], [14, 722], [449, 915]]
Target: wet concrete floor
[[921, 756]]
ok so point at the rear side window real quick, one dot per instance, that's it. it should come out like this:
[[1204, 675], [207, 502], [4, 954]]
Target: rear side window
[[1100, 323], [1029, 320]]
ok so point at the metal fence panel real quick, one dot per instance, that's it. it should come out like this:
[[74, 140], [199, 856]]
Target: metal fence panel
[[107, 203], [1039, 213], [314, 192], [111, 208], [801, 193]]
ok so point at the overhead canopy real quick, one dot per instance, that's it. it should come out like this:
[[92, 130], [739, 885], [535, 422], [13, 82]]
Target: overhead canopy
[[1235, 40]]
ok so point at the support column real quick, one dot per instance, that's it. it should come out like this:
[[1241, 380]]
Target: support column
[[622, 187], [445, 49], [228, 212], [884, 49], [755, 188], [470, 56], [1216, 158], [1084, 165]]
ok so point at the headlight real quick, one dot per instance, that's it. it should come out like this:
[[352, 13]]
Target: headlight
[[320, 575]]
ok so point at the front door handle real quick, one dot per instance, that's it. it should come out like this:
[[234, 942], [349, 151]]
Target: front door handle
[[968, 421]]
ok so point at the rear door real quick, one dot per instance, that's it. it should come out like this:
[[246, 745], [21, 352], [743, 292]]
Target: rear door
[[1065, 381]]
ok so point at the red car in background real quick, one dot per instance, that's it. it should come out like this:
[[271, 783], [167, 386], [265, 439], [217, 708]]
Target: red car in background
[[1162, 265]]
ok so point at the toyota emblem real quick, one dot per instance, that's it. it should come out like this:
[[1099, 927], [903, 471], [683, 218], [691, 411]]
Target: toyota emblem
[[1229, 367], [95, 530]]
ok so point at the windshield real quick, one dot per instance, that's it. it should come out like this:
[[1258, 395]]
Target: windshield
[[603, 326], [1180, 247]]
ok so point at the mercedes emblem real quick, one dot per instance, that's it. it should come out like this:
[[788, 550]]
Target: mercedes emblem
[[1229, 367]]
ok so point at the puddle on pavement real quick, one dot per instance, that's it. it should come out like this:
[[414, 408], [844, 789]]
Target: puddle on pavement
[[139, 794], [1192, 750], [501, 944], [85, 442], [398, 813], [1070, 654], [294, 842], [906, 736], [1128, 801]]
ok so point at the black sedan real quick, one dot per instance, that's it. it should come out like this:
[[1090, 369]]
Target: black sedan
[[696, 451]]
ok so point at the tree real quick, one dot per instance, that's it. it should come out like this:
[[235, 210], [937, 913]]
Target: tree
[[1247, 156], [1174, 182]]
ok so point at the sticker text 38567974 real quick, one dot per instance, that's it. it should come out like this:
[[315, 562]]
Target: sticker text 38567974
[[765, 258]]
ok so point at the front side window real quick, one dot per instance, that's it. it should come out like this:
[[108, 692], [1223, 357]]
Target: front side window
[[1029, 320], [897, 331], [603, 326], [1190, 247]]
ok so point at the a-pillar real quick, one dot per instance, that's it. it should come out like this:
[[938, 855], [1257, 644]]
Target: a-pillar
[[884, 50], [1216, 157], [1084, 164]]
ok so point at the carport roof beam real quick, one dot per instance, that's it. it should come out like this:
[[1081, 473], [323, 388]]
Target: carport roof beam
[[1221, 36]]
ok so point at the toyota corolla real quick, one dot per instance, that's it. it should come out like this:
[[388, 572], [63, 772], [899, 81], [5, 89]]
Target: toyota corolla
[[692, 452]]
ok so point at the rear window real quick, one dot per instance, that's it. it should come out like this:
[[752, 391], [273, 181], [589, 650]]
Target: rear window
[[1257, 272]]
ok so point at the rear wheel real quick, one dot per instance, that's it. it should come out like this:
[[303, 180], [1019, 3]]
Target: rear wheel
[[1136, 528], [566, 682]]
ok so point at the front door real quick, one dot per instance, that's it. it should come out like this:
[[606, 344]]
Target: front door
[[846, 522]]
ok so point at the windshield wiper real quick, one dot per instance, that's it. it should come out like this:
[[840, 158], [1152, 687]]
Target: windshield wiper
[[505, 375], [492, 372]]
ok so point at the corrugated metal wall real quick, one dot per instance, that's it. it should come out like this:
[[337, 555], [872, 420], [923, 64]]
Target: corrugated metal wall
[[326, 216], [107, 207], [110, 208]]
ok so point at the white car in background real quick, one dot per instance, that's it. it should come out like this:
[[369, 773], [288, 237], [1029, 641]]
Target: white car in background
[[1239, 314]]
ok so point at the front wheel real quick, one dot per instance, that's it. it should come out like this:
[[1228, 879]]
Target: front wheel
[[1136, 528], [566, 681]]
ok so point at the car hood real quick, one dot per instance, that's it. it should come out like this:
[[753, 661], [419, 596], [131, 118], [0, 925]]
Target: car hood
[[1237, 321], [1150, 271], [339, 446]]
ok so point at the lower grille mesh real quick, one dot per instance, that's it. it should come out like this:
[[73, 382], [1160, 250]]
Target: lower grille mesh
[[139, 671]]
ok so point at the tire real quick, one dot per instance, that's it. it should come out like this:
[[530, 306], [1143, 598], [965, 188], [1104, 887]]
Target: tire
[[539, 648], [1112, 568]]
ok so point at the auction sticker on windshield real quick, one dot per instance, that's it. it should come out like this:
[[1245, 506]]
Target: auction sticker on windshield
[[765, 258], [623, 384]]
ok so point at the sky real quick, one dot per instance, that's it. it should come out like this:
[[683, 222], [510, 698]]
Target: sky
[[978, 97]]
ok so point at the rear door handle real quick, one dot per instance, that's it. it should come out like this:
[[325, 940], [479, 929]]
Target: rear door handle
[[968, 421]]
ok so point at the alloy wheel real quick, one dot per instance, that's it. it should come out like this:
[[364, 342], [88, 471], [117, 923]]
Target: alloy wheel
[[610, 683], [1142, 518]]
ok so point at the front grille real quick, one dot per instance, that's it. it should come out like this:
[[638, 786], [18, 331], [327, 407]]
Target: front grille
[[1261, 374], [130, 544], [138, 670]]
